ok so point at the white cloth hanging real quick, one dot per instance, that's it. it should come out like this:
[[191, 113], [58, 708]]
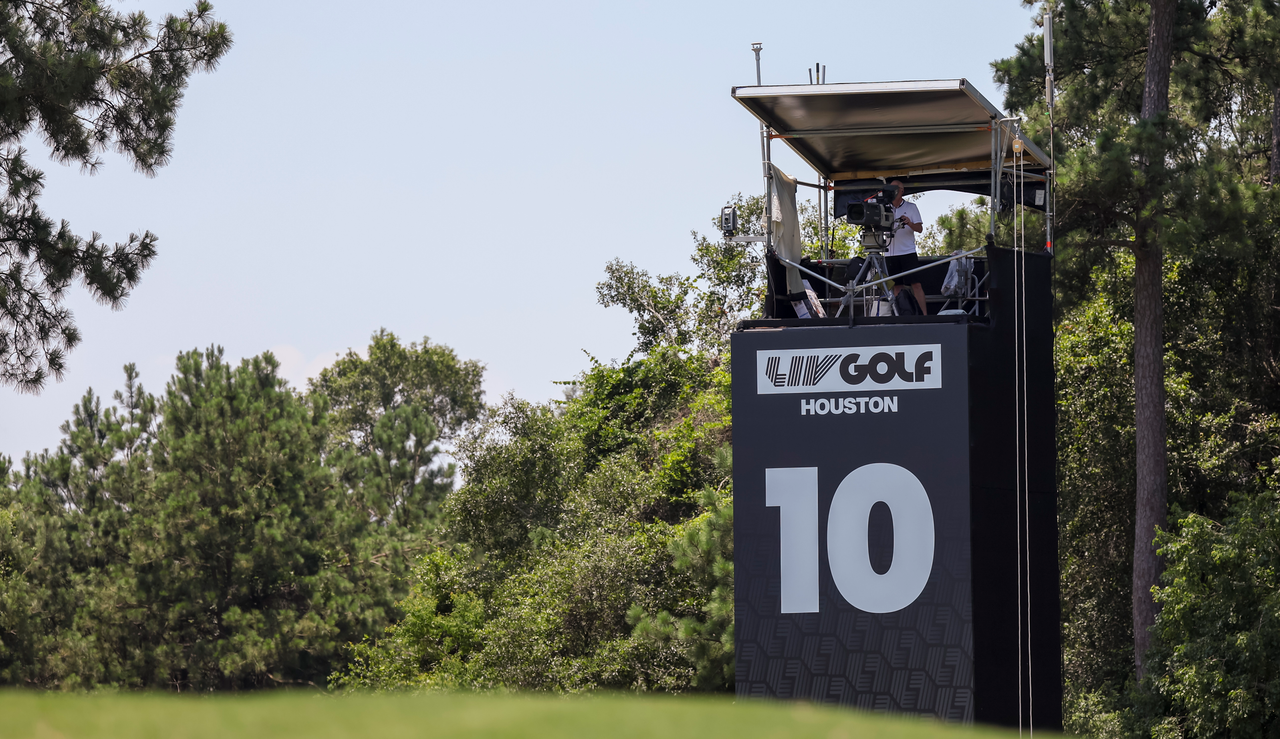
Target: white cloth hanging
[[785, 226]]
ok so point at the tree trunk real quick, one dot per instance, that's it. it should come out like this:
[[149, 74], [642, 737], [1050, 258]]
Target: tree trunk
[[1275, 136], [1151, 509], [1149, 400], [1155, 91]]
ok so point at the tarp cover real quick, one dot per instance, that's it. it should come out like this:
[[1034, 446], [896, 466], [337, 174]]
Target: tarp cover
[[869, 130], [785, 226]]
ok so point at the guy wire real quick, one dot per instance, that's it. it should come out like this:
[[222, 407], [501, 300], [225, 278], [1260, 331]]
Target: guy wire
[[1017, 458], [1026, 454]]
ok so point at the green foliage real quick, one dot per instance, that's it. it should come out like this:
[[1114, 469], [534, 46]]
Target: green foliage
[[1093, 361], [964, 227], [217, 536], [69, 611], [659, 304], [703, 551], [442, 620], [388, 409], [1175, 180], [517, 466], [428, 378], [234, 550], [86, 78], [1213, 664], [1186, 183], [700, 312], [1218, 657], [575, 521], [1224, 430], [618, 407], [397, 484]]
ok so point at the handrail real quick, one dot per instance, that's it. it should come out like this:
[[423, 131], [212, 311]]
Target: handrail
[[812, 273], [951, 258], [865, 285]]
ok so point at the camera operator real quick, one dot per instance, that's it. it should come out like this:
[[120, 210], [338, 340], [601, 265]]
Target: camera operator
[[901, 254]]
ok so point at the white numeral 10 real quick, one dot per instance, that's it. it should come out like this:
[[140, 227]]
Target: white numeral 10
[[794, 491]]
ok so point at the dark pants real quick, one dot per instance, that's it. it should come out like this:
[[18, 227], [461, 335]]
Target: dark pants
[[902, 263]]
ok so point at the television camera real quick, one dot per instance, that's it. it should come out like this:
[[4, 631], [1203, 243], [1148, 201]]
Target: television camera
[[875, 215], [728, 221]]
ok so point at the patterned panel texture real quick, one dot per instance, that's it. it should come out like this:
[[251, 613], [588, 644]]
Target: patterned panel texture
[[918, 660]]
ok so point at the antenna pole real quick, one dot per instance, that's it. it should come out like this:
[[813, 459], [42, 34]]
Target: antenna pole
[[764, 159], [764, 133], [1048, 56], [1048, 97], [995, 174]]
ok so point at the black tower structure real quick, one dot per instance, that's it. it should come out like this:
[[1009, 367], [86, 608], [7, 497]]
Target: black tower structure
[[895, 508]]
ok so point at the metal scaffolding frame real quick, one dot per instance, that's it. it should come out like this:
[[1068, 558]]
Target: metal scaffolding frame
[[927, 133]]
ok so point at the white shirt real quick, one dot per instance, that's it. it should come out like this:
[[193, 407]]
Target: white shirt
[[904, 239]]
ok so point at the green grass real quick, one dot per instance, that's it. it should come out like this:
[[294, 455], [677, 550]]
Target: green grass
[[317, 716]]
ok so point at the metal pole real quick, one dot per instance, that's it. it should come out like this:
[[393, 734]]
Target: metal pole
[[822, 206], [880, 131], [811, 273], [864, 285], [995, 174], [997, 163], [1048, 55], [1024, 175], [764, 156], [930, 265], [1048, 208], [1048, 95], [764, 134], [768, 191]]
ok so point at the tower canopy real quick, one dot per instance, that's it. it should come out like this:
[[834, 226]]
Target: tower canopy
[[936, 133]]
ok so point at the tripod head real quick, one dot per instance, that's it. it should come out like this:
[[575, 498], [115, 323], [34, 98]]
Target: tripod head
[[876, 240]]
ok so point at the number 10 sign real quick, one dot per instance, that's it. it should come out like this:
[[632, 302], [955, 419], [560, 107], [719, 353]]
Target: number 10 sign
[[794, 490]]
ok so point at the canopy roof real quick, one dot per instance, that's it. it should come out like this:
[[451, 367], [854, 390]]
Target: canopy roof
[[935, 132]]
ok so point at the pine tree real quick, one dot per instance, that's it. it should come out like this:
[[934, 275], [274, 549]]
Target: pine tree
[[1160, 133], [86, 78], [198, 540], [1148, 343], [245, 550], [427, 376]]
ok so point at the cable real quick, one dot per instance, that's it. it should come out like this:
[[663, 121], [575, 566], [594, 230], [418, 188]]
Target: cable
[[1053, 183], [1017, 458], [1022, 455], [1026, 454]]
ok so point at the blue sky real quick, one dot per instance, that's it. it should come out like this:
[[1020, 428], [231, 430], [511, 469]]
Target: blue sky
[[457, 171]]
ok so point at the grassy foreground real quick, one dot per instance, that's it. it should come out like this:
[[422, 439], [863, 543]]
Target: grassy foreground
[[317, 716]]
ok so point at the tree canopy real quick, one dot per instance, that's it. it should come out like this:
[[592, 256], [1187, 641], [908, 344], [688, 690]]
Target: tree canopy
[[1165, 277], [233, 533], [589, 547], [85, 78], [217, 536]]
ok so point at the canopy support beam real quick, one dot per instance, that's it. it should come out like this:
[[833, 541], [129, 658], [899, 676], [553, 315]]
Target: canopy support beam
[[883, 131]]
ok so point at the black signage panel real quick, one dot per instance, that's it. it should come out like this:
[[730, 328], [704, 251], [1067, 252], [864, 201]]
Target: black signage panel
[[896, 509], [852, 517]]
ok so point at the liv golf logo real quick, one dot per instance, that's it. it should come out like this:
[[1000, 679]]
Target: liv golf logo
[[914, 367]]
